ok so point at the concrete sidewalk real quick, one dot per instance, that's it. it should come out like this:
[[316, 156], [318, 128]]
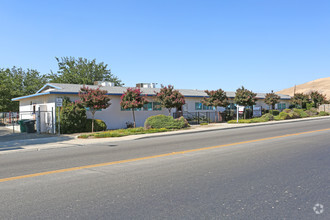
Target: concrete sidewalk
[[47, 142]]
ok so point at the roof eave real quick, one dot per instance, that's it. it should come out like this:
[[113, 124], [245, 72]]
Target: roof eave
[[29, 96]]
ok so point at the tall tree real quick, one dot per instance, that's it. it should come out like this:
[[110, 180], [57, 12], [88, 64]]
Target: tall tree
[[300, 99], [82, 71], [216, 98], [317, 98], [17, 82], [245, 97], [94, 99], [132, 99], [170, 98], [272, 99]]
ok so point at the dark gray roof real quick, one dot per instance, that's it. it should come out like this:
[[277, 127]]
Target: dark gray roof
[[117, 90]]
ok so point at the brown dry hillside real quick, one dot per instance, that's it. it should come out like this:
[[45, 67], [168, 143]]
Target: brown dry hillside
[[321, 85]]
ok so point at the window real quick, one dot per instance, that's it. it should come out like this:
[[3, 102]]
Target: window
[[147, 107], [200, 106], [150, 106]]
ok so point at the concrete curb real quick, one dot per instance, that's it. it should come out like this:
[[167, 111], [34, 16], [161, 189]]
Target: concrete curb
[[70, 140], [239, 126]]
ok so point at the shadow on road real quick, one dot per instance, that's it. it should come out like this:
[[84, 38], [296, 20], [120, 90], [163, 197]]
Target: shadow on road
[[15, 141]]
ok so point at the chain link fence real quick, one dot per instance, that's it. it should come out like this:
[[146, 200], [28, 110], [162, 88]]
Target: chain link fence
[[42, 121]]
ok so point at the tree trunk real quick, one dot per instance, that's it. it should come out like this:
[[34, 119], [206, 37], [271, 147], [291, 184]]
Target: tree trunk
[[244, 113], [169, 112], [93, 121], [133, 117]]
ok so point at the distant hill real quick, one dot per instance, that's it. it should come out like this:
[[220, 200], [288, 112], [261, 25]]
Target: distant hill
[[320, 85]]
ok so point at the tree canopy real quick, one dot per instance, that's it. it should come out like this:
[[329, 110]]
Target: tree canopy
[[317, 98], [170, 98], [300, 99], [82, 71], [245, 97], [215, 98], [272, 99], [17, 82], [133, 99], [94, 99]]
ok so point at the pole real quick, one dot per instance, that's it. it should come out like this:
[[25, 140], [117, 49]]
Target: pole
[[59, 121], [12, 121], [237, 113], [53, 127], [38, 121]]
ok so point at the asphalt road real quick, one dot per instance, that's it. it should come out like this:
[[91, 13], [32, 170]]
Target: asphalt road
[[279, 178]]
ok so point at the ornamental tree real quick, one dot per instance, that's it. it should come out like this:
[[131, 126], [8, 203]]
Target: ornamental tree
[[245, 97], [317, 98], [300, 99], [272, 99], [94, 99], [132, 99], [82, 71], [215, 98], [170, 98]]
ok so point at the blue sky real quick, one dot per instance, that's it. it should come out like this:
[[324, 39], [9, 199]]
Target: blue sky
[[264, 45]]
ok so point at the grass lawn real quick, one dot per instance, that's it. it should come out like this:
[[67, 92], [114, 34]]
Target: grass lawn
[[123, 132]]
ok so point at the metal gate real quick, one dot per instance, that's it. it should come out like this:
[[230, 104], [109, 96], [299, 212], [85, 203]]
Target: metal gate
[[201, 117], [44, 120]]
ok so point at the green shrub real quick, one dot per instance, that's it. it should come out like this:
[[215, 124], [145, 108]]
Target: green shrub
[[283, 115], [73, 117], [301, 112], [323, 113], [312, 112], [274, 112], [287, 110], [163, 121], [310, 106], [294, 115], [99, 125], [268, 117]]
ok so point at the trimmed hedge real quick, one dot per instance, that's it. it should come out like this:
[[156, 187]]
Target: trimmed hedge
[[163, 121], [99, 125]]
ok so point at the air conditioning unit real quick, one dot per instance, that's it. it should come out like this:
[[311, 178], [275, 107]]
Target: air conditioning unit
[[104, 83], [146, 85]]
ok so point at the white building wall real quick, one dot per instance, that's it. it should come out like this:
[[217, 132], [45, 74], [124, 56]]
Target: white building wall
[[113, 116], [28, 109]]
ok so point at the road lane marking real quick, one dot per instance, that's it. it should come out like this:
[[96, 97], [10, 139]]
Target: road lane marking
[[151, 157]]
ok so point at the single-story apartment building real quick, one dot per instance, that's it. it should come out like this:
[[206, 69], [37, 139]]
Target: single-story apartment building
[[114, 116]]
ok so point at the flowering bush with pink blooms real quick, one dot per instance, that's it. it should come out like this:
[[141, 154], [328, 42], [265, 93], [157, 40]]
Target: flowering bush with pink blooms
[[94, 99], [170, 98], [133, 99]]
